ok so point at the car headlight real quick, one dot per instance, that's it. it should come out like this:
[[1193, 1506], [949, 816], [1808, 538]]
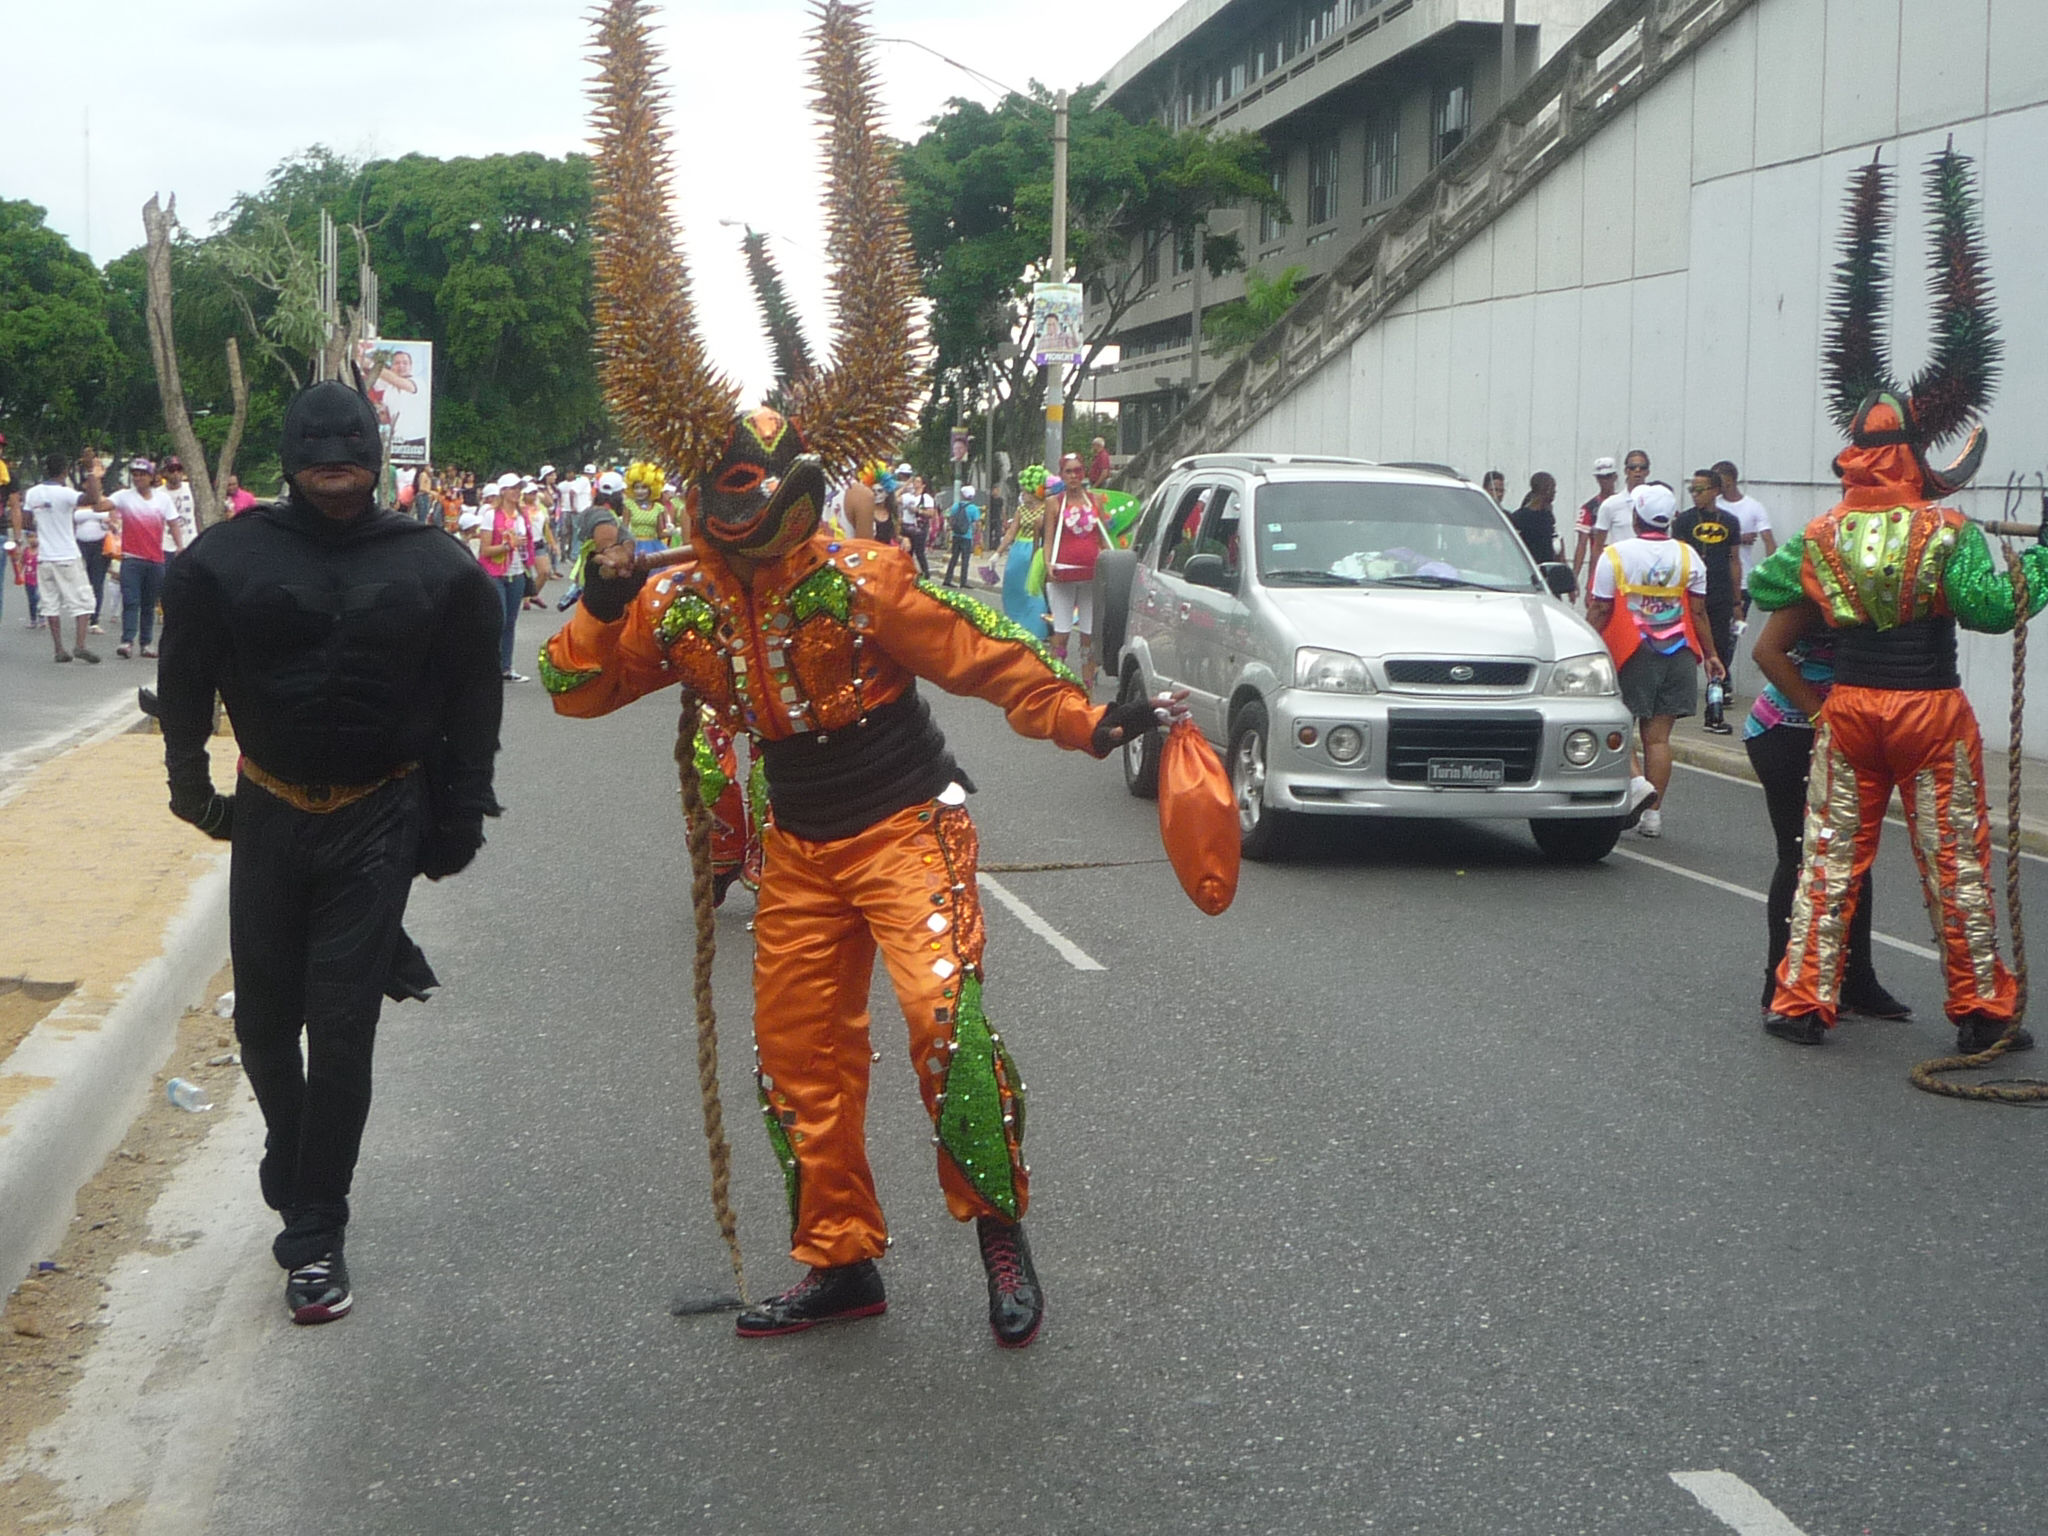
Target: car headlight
[[1580, 748], [1330, 671], [1345, 743], [1583, 676]]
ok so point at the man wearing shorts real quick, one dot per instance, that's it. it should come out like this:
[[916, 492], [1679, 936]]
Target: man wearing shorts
[[1649, 599], [64, 591]]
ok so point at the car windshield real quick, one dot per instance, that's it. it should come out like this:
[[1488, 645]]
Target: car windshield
[[1342, 533]]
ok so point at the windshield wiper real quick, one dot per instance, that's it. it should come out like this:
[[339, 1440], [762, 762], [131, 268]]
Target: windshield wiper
[[1315, 578], [1436, 582]]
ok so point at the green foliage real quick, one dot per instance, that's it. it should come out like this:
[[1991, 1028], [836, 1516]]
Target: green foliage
[[58, 357], [1235, 326], [978, 188]]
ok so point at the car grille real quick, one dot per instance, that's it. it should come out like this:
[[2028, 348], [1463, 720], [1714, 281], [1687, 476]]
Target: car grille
[[1415, 736], [1474, 674]]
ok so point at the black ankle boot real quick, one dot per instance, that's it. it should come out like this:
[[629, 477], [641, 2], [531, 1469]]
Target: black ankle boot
[[1799, 1028], [1866, 996], [1979, 1032], [1016, 1305], [837, 1294]]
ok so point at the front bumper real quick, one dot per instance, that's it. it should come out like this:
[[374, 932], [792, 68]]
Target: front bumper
[[1304, 777]]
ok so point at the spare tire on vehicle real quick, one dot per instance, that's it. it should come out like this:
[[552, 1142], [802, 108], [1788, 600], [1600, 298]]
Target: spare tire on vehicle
[[1115, 572]]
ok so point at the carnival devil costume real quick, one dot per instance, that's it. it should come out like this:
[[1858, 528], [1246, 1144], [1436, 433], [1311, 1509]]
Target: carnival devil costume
[[813, 646], [1893, 573]]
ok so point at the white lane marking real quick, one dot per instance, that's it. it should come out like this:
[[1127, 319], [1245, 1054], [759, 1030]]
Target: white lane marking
[[1891, 818], [1070, 952], [1742, 890], [1735, 1504]]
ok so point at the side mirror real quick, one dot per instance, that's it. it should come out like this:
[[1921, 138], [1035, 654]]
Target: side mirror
[[1207, 571], [1558, 577]]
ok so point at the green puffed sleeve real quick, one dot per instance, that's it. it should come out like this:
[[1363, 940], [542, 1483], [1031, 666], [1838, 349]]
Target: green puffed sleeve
[[1979, 593], [1775, 583]]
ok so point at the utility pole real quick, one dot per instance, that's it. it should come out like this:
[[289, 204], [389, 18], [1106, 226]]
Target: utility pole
[[1056, 371], [1507, 50], [1195, 320]]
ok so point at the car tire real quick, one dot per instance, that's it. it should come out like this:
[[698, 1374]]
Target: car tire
[[1262, 830], [1140, 753], [1579, 840], [1115, 571]]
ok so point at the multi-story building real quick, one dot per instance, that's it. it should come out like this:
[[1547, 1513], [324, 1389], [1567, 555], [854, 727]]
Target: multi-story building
[[1357, 99]]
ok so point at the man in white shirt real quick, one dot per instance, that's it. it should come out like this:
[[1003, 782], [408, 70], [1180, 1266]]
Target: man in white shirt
[[64, 590], [1615, 520], [182, 527], [1759, 539]]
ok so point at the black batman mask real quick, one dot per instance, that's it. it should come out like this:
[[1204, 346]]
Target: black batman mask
[[330, 424]]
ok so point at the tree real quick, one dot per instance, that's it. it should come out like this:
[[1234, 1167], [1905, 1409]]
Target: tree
[[58, 356], [978, 188], [1236, 325], [158, 222]]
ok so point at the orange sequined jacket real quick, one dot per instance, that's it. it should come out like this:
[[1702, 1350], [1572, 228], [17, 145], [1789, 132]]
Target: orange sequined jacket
[[830, 631]]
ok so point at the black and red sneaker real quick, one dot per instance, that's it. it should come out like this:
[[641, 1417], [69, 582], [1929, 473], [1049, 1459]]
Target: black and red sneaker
[[1016, 1304], [835, 1294], [318, 1292]]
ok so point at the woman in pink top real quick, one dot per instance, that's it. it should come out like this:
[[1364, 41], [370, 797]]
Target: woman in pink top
[[501, 551], [1076, 531]]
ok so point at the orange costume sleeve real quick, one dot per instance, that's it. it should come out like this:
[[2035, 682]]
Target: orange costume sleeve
[[591, 668]]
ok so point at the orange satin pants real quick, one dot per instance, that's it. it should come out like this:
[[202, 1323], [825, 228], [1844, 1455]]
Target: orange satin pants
[[906, 886], [1925, 744]]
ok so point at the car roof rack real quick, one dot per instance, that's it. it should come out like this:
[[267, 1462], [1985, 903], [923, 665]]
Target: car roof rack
[[1426, 468], [1258, 461]]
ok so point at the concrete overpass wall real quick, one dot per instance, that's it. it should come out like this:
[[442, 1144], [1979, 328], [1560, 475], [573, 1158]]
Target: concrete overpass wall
[[1665, 286]]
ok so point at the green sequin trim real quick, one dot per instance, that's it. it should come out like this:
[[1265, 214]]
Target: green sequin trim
[[757, 792], [825, 590], [785, 1154], [971, 1120], [997, 626], [1980, 594], [686, 610], [711, 779], [1775, 583], [555, 680]]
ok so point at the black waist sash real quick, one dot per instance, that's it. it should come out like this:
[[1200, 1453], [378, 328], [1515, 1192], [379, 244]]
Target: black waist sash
[[1914, 656], [826, 785]]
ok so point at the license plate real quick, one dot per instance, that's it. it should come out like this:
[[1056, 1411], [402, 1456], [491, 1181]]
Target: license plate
[[1467, 772]]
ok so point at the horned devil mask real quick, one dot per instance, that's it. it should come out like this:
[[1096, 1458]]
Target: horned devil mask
[[757, 480], [1891, 429]]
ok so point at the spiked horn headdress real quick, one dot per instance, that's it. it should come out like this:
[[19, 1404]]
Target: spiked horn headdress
[[1955, 386], [757, 479]]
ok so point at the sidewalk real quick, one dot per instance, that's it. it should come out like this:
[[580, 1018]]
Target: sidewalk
[[119, 920], [1692, 744]]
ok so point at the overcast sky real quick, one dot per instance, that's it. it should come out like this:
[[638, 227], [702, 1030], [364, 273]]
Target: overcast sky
[[202, 97]]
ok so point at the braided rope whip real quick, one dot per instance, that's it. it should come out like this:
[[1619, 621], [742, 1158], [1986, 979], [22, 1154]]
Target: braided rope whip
[[697, 818], [1927, 1075]]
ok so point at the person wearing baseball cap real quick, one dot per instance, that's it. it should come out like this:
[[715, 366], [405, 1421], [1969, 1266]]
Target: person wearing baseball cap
[[1589, 514], [1649, 600], [356, 650]]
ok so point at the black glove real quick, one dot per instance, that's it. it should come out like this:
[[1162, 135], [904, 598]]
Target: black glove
[[211, 812], [448, 848], [1120, 722], [606, 595]]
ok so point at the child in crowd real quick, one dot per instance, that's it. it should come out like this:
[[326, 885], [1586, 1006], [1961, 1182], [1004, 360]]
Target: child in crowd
[[27, 560]]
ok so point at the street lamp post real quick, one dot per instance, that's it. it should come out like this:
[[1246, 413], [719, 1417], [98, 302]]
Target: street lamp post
[[1055, 370]]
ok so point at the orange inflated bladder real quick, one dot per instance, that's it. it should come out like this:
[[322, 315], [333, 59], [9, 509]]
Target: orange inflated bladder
[[1198, 819]]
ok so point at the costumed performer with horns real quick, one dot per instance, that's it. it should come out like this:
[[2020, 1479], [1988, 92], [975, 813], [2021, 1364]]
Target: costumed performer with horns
[[814, 645], [1892, 574]]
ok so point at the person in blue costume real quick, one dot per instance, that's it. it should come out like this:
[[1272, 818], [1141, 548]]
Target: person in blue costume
[[1019, 548]]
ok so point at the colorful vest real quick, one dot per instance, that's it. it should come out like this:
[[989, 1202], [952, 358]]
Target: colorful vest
[[1671, 622], [1883, 568]]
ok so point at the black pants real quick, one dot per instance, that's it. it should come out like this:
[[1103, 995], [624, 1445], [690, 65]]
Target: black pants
[[916, 537], [1721, 624], [957, 558], [315, 905], [95, 572], [1781, 757]]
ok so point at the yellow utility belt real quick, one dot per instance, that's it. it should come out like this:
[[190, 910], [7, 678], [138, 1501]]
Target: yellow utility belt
[[318, 799]]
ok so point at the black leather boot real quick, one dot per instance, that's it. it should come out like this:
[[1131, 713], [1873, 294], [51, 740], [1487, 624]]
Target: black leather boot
[[1865, 995], [1978, 1032], [1799, 1028], [838, 1294], [1016, 1305]]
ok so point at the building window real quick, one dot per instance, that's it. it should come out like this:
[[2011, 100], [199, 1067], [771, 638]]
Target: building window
[[1237, 78], [1322, 183], [1152, 245], [1184, 252], [1273, 220], [1451, 120], [1382, 160]]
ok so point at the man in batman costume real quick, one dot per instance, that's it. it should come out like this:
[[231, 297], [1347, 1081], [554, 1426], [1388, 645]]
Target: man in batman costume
[[356, 652]]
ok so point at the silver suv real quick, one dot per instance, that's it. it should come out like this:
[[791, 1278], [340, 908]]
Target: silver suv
[[1370, 639]]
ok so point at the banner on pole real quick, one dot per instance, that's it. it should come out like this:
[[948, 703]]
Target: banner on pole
[[400, 378], [1055, 323]]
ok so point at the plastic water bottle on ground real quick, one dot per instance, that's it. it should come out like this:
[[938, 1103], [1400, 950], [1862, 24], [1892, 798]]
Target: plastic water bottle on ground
[[188, 1095]]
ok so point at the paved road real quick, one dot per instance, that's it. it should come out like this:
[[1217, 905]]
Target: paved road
[[38, 700], [1431, 1190]]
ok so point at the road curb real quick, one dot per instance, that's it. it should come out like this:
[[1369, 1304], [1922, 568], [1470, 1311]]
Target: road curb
[[1734, 762], [97, 1071]]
